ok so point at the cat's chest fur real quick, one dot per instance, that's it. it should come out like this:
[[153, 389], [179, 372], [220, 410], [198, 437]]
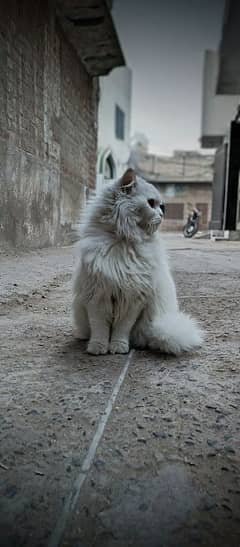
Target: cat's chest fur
[[119, 267]]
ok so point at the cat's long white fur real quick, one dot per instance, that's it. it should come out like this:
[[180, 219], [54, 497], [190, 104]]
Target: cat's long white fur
[[123, 290]]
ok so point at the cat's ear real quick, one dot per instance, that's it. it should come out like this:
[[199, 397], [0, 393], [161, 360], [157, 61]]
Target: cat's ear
[[128, 181]]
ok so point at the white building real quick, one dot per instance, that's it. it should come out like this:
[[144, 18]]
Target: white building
[[114, 124]]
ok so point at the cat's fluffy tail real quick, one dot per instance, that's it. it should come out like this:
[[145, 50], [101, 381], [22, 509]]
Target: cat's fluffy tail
[[175, 333]]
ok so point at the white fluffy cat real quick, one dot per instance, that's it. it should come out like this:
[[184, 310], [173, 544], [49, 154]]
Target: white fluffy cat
[[124, 294]]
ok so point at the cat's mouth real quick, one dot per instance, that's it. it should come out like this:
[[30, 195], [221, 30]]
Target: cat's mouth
[[153, 226], [157, 221]]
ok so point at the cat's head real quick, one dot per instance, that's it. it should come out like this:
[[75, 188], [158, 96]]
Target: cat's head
[[134, 207]]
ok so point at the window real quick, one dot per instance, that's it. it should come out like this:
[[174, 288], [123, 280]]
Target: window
[[174, 211], [119, 123]]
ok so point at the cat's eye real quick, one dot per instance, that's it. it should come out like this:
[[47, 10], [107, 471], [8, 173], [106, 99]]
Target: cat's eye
[[151, 202]]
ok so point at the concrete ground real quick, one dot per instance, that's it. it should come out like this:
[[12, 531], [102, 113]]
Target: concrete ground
[[140, 450]]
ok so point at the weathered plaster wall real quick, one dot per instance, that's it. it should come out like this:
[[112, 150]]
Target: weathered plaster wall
[[48, 127]]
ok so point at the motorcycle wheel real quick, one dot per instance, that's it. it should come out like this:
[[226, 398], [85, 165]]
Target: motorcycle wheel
[[190, 231]]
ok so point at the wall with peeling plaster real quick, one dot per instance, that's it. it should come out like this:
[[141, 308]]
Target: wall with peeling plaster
[[48, 127]]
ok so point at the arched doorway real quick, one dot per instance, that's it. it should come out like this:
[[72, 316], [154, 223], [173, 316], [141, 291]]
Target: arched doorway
[[108, 168], [107, 164]]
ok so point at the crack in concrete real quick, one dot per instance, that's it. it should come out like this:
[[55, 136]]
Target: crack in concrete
[[72, 499]]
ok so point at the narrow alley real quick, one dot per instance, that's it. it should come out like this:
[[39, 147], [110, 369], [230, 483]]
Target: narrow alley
[[138, 450]]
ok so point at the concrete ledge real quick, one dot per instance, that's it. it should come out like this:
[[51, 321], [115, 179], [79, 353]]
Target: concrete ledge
[[91, 31], [202, 235], [234, 235]]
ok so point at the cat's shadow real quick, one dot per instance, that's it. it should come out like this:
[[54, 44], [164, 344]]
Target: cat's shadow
[[73, 345], [169, 360], [74, 353], [71, 355]]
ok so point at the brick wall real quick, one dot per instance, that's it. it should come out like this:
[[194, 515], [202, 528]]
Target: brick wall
[[48, 127]]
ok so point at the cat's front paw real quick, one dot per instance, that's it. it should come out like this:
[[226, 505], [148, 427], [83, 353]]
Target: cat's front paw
[[119, 346], [96, 347]]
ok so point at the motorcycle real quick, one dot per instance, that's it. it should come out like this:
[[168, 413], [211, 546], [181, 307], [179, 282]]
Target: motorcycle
[[191, 228]]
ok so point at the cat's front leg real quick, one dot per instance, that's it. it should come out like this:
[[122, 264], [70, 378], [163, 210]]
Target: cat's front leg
[[100, 329], [121, 330]]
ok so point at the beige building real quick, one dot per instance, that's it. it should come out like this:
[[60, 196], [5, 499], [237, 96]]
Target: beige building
[[184, 180]]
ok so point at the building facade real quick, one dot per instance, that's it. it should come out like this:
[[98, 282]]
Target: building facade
[[50, 62], [217, 109], [220, 115], [184, 181], [114, 124]]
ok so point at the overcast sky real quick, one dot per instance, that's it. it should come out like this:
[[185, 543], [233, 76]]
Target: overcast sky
[[164, 42]]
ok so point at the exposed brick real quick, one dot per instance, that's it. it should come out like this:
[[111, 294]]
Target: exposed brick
[[48, 120]]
